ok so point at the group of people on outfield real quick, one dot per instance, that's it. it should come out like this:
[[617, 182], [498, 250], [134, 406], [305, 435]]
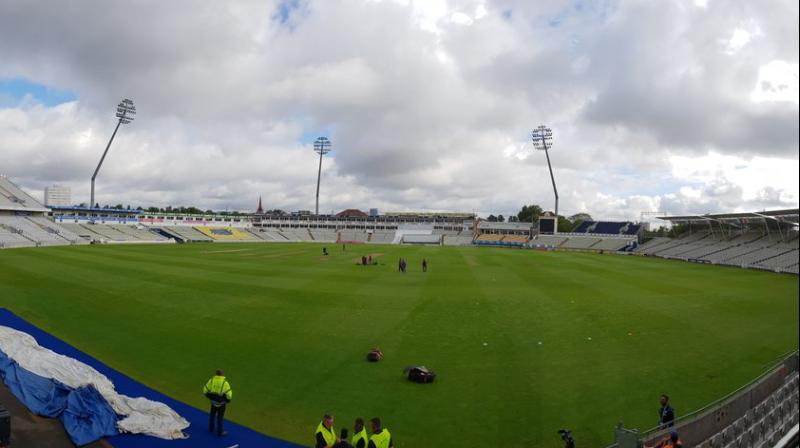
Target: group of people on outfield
[[219, 393], [377, 437]]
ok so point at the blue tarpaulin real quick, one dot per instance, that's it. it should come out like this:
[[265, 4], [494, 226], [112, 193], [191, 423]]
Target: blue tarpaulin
[[84, 412], [88, 417]]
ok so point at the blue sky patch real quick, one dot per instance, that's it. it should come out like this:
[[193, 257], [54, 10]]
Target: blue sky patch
[[15, 90], [285, 10]]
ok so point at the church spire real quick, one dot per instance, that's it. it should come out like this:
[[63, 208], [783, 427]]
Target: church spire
[[259, 210]]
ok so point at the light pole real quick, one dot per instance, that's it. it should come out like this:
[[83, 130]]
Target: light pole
[[322, 146], [542, 138], [125, 113]]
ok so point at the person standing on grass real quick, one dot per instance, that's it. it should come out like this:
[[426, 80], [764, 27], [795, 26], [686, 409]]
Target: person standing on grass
[[666, 415], [218, 391], [424, 265], [360, 438], [380, 436], [326, 435]]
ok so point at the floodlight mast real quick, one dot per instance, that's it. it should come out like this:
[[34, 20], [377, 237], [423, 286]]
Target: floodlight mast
[[542, 138], [125, 113], [322, 146]]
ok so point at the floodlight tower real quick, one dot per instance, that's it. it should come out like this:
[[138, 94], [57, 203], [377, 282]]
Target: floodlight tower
[[542, 138], [125, 113], [322, 146]]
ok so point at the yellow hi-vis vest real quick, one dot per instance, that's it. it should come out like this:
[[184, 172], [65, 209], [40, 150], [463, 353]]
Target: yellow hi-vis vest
[[381, 439], [219, 386], [328, 434], [361, 435]]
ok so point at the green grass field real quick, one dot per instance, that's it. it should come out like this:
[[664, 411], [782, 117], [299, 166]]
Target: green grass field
[[291, 329]]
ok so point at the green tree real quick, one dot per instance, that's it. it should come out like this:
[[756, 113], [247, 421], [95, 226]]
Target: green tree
[[491, 218], [565, 224], [501, 218], [530, 213]]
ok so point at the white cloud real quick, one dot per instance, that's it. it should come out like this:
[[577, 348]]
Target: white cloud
[[777, 81], [428, 103]]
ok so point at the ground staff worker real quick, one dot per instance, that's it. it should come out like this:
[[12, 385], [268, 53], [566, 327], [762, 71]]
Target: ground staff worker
[[325, 435], [360, 438], [380, 437], [219, 391]]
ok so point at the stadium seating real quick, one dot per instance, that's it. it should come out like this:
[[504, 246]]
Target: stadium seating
[[750, 249], [353, 235], [612, 244], [52, 227], [422, 239], [463, 238], [185, 233], [581, 242], [36, 233], [137, 234], [324, 235], [765, 423], [489, 237], [13, 198], [11, 237], [548, 240], [522, 239], [382, 237], [226, 233], [607, 228]]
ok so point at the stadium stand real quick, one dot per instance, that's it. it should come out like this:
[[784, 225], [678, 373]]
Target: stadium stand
[[580, 242], [185, 234], [608, 228], [758, 415], [52, 227], [137, 234], [23, 223], [226, 233], [522, 239], [463, 238], [33, 231], [747, 249], [548, 240], [354, 236], [11, 237], [489, 237], [324, 235], [760, 240], [612, 244], [382, 237], [13, 198], [422, 239]]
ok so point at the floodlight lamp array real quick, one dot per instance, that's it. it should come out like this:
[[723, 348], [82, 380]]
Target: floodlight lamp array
[[542, 138], [322, 145], [126, 111]]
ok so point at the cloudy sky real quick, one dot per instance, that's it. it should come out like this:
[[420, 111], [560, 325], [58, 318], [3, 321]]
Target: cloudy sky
[[673, 106]]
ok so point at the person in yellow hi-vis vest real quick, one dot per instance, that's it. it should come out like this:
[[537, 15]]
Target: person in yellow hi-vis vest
[[218, 391], [380, 437], [360, 438], [325, 435]]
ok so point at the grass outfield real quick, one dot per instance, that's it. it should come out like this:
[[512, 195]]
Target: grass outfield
[[291, 329]]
